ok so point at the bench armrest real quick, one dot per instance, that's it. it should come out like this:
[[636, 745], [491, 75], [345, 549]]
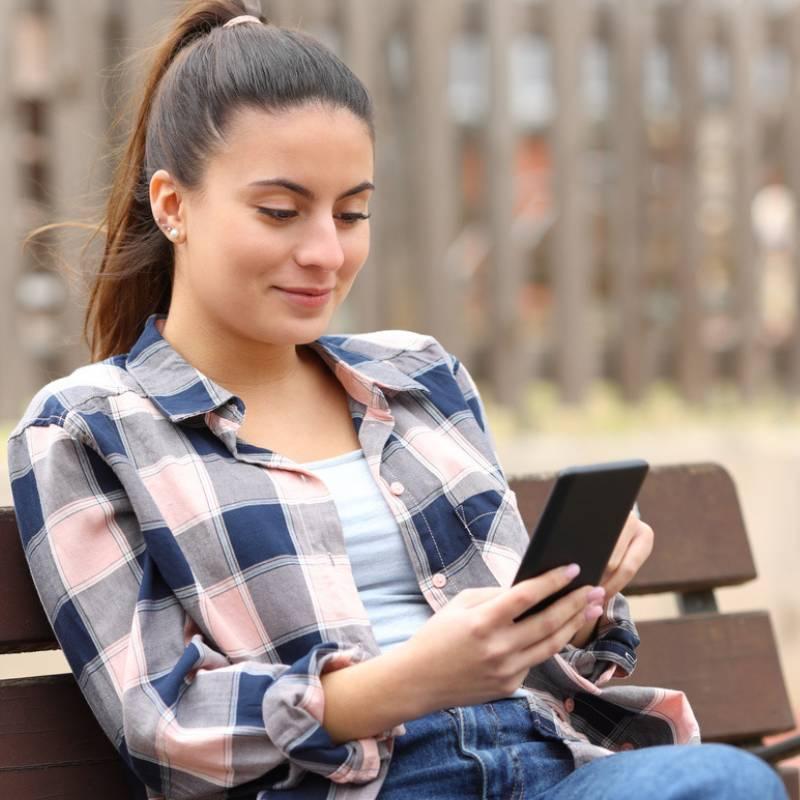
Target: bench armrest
[[779, 751]]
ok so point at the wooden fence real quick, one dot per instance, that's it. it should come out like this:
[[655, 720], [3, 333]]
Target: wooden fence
[[567, 189]]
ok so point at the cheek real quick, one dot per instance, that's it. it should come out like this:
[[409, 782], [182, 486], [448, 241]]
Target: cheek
[[356, 252], [249, 260]]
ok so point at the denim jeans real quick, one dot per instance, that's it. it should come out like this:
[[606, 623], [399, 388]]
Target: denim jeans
[[495, 752]]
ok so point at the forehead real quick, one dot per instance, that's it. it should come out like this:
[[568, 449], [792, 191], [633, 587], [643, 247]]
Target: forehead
[[309, 143]]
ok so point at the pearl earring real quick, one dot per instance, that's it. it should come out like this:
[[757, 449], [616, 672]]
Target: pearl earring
[[174, 233]]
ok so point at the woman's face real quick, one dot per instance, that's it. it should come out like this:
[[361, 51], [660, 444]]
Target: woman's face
[[273, 241]]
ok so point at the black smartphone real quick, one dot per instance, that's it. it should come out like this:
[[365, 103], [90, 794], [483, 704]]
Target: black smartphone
[[581, 522]]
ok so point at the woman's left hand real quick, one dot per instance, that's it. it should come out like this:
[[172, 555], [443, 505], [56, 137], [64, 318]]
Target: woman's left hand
[[633, 548]]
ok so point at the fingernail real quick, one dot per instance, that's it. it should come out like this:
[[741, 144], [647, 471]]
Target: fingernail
[[593, 612], [598, 593], [571, 570]]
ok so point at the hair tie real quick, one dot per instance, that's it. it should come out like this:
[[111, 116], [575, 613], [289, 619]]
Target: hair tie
[[240, 19]]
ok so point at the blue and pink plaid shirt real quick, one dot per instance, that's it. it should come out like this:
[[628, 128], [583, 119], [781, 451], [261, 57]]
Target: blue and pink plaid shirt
[[199, 585]]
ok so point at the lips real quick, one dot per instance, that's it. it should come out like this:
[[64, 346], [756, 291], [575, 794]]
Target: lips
[[306, 296], [303, 290]]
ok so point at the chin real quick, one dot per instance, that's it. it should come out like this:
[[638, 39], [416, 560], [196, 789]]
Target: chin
[[301, 332]]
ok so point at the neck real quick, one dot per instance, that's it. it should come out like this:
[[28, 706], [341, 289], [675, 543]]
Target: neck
[[238, 364]]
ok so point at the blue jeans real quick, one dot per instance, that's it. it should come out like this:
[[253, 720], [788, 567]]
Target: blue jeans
[[495, 751]]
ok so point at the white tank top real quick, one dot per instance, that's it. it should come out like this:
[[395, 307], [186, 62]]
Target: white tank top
[[381, 566]]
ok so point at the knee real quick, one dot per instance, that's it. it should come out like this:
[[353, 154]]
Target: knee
[[725, 771]]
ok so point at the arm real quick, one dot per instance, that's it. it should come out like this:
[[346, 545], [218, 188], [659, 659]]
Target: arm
[[187, 720]]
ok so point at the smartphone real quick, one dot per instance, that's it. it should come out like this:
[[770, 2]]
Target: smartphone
[[581, 522]]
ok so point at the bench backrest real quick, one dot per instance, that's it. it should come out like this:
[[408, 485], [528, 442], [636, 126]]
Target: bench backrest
[[726, 663]]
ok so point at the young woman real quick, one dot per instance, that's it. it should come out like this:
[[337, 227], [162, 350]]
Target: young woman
[[278, 561]]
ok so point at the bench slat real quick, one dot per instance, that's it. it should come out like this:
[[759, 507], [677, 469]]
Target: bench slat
[[681, 560], [735, 685], [680, 503], [23, 624], [75, 782], [45, 722]]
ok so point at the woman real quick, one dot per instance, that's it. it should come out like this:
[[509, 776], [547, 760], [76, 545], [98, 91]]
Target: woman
[[277, 561]]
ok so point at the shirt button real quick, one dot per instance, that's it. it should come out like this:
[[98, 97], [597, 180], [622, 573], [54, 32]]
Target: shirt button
[[396, 487], [569, 705], [439, 580]]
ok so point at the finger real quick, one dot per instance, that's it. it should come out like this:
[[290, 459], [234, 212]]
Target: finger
[[638, 552], [538, 627], [554, 643], [628, 532], [528, 593]]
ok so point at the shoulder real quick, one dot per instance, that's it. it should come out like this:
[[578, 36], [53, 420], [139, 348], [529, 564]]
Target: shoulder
[[88, 388]]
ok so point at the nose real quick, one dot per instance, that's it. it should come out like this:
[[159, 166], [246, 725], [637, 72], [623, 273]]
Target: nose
[[320, 245]]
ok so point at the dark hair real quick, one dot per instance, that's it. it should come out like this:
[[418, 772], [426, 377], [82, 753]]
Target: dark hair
[[200, 75]]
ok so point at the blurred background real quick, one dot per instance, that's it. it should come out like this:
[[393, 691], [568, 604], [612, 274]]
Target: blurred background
[[592, 203]]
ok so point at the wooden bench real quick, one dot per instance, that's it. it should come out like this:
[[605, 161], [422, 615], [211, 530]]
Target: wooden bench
[[51, 746]]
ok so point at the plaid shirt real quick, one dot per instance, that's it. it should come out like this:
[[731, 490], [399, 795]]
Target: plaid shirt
[[199, 585]]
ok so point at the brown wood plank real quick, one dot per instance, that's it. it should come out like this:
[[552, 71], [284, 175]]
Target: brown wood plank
[[734, 682], [433, 149], [571, 265], [631, 22], [104, 780], [46, 722], [701, 541], [506, 270], [23, 624], [744, 23], [693, 362]]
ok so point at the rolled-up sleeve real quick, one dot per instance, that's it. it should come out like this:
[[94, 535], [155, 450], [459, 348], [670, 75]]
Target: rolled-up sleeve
[[612, 651], [187, 721]]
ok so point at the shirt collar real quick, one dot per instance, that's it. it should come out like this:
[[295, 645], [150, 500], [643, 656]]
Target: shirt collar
[[182, 391]]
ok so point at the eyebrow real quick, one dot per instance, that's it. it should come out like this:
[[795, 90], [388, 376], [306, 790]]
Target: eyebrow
[[305, 192]]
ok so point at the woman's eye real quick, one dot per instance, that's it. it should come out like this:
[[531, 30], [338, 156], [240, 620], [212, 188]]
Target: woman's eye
[[353, 218], [278, 213]]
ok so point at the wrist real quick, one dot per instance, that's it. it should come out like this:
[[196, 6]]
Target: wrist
[[416, 691], [373, 696]]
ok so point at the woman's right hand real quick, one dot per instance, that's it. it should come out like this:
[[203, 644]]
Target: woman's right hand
[[472, 651]]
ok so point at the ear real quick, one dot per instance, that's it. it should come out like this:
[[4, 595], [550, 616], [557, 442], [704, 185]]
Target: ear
[[166, 202]]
